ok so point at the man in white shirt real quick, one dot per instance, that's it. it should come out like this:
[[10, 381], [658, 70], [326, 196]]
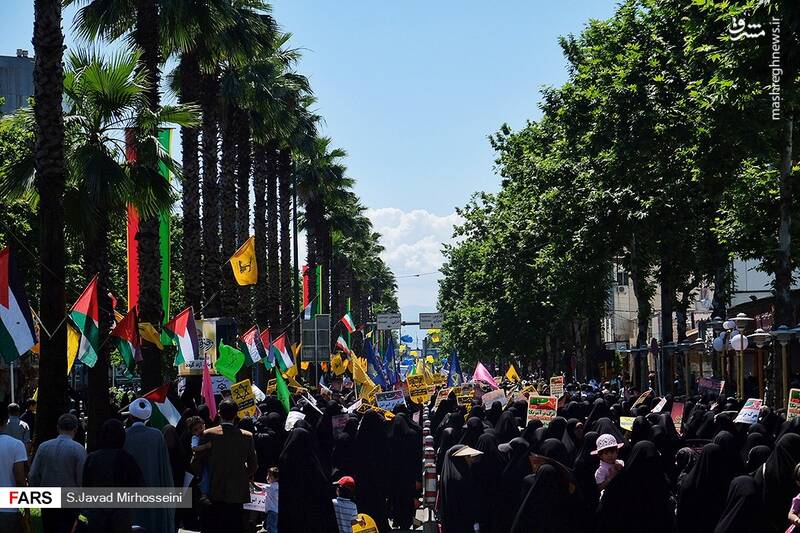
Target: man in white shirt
[[16, 428], [13, 458]]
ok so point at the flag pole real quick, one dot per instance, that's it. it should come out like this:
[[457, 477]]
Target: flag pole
[[11, 370]]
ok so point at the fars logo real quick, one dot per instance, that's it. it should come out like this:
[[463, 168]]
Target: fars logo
[[27, 497]]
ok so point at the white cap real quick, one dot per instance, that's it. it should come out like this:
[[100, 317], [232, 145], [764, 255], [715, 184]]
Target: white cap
[[141, 409], [606, 441]]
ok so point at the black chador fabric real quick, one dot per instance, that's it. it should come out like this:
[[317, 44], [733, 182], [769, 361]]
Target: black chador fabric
[[494, 413], [605, 425], [510, 490], [583, 471], [555, 449], [758, 456], [744, 511], [599, 410], [570, 438], [701, 496], [344, 458], [405, 451], [641, 430], [304, 498], [486, 471], [458, 495], [775, 480], [372, 479], [529, 433], [546, 507], [639, 493], [506, 428], [730, 449], [752, 440], [471, 433], [448, 439]]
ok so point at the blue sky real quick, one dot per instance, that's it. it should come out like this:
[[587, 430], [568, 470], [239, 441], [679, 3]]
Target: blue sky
[[411, 90]]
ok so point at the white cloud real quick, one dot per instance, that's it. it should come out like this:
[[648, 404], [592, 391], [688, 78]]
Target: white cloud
[[413, 241]]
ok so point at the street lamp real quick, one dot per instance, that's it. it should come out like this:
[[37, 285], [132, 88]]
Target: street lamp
[[761, 338], [739, 343], [783, 335], [716, 327]]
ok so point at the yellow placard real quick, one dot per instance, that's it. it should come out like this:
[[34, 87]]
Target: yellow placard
[[365, 524], [242, 394], [417, 388]]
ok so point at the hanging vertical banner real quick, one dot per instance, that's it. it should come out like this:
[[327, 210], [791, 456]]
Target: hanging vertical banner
[[165, 138], [306, 286], [319, 289]]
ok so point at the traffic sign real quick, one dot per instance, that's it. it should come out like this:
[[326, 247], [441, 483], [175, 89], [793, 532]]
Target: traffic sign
[[388, 321], [430, 320]]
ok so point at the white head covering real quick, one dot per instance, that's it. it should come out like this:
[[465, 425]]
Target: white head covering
[[140, 408]]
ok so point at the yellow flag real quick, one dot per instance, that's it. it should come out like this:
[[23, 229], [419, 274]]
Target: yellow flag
[[243, 263], [360, 375], [73, 342], [511, 373], [292, 371], [148, 332], [338, 365], [305, 364]]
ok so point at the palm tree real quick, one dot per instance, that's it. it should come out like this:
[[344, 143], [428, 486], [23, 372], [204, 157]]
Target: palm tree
[[103, 99], [48, 44]]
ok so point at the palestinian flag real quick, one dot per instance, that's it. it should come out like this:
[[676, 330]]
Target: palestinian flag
[[126, 336], [183, 332], [281, 354], [163, 411], [252, 346], [341, 344], [17, 335], [85, 314], [347, 320], [269, 359]]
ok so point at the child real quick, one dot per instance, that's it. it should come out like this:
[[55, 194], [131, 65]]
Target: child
[[607, 449], [196, 427], [343, 505], [794, 510], [271, 504]]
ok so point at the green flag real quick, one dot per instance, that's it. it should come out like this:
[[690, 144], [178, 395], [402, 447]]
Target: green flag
[[229, 361], [281, 390]]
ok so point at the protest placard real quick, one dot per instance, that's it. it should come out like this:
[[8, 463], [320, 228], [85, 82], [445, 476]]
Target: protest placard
[[387, 400], [626, 422], [258, 498], [542, 408], [642, 397], [660, 405], [365, 524], [417, 388], [439, 379], [710, 385], [677, 416], [368, 393], [793, 407], [749, 412], [441, 395], [364, 407], [337, 423], [465, 394], [242, 394], [557, 386], [498, 395]]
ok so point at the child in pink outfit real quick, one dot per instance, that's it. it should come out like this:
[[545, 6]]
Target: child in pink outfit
[[610, 466]]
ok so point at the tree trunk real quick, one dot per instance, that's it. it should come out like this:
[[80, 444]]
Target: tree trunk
[[260, 230], [667, 296], [325, 255], [211, 258], [48, 74], [192, 289], [150, 305], [96, 262], [284, 207], [642, 292], [784, 312], [681, 313], [244, 314], [312, 250], [227, 190], [720, 298], [273, 261]]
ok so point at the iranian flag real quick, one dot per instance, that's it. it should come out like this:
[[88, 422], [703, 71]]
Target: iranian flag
[[17, 335], [347, 320], [281, 354], [183, 332], [163, 411], [252, 346], [269, 359], [85, 314], [341, 344], [126, 336]]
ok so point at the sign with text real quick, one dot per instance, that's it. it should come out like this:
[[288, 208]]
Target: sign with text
[[749, 412], [710, 385], [387, 400], [389, 321], [542, 408], [258, 498], [640, 400], [242, 394], [557, 385], [417, 388], [660, 405], [793, 407], [498, 395], [626, 422], [442, 394], [430, 320]]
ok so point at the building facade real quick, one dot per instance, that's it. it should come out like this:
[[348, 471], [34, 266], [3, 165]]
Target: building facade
[[16, 81]]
